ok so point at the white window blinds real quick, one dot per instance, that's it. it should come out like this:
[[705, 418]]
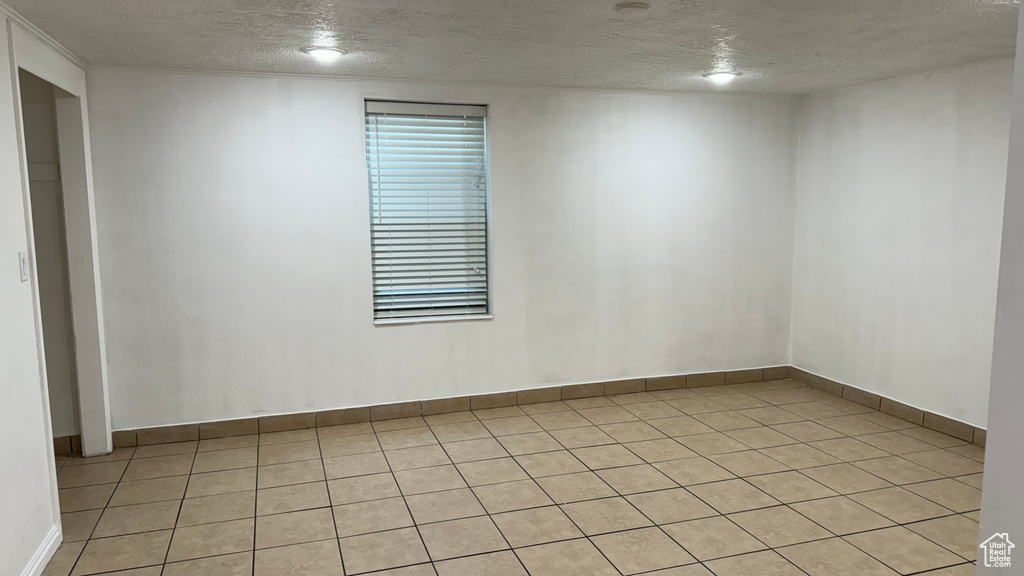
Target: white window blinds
[[428, 209]]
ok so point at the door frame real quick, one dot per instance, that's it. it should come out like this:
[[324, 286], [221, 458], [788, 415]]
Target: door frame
[[32, 54]]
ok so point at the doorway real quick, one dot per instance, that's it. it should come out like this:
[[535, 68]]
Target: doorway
[[42, 154]]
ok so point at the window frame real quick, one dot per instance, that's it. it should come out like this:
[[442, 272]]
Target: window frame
[[488, 221]]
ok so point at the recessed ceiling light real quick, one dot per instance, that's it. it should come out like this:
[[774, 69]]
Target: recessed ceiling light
[[721, 78], [632, 7], [324, 53]]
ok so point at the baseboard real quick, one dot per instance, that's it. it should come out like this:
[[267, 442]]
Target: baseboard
[[43, 554], [297, 421], [932, 420], [301, 420]]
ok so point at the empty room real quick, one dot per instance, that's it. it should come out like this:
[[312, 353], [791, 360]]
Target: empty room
[[566, 288]]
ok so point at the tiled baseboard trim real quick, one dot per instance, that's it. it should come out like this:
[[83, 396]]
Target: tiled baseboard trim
[[280, 423], [67, 445], [937, 422], [284, 422]]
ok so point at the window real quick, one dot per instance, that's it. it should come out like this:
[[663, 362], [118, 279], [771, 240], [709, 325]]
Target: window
[[428, 209]]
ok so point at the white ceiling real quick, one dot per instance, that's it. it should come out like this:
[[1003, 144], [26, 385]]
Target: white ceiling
[[789, 46]]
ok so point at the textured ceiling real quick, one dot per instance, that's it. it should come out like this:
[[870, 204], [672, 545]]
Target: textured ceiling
[[791, 46]]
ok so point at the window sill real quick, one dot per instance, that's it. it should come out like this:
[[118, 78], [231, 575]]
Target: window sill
[[431, 320]]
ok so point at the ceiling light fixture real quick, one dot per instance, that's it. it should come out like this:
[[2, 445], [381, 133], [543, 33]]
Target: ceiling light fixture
[[632, 7], [721, 78], [324, 53]]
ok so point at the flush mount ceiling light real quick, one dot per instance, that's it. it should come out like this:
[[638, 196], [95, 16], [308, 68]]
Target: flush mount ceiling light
[[324, 53], [632, 7], [721, 78]]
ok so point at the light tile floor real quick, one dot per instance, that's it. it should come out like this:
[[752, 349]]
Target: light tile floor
[[770, 478]]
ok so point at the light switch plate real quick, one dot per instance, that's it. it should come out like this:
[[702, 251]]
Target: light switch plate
[[23, 264]]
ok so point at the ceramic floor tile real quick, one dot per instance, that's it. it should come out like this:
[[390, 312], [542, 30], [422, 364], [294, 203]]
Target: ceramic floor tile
[[770, 415], [945, 462], [154, 450], [531, 443], [158, 467], [598, 457], [642, 550], [470, 450], [355, 465], [571, 558], [460, 431], [218, 508], [582, 437], [669, 506], [731, 496], [362, 488], [417, 457], [226, 460], [954, 495], [423, 480], [728, 420], [652, 410], [900, 506], [834, 557], [779, 526], [91, 474], [937, 439], [372, 516], [957, 534], [849, 449], [291, 452], [409, 438], [661, 450], [690, 471], [575, 487], [712, 443], [799, 456], [895, 443], [288, 436], [211, 540], [346, 445], [399, 424], [607, 415], [536, 526], [229, 443], [510, 426], [208, 484], [807, 431], [767, 563], [841, 515], [137, 518], [494, 471], [446, 505], [903, 550], [292, 498], [760, 437], [464, 537], [789, 487], [679, 426], [319, 558], [560, 420], [294, 528], [602, 516], [300, 472], [494, 564], [123, 553], [550, 464], [748, 463], [78, 526], [846, 478], [897, 470], [711, 538], [230, 565], [383, 550], [636, 479], [625, 432], [93, 497], [497, 498]]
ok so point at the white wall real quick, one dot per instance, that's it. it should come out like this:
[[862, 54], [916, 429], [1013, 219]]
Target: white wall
[[40, 127], [26, 505], [899, 208], [1002, 509], [632, 235]]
